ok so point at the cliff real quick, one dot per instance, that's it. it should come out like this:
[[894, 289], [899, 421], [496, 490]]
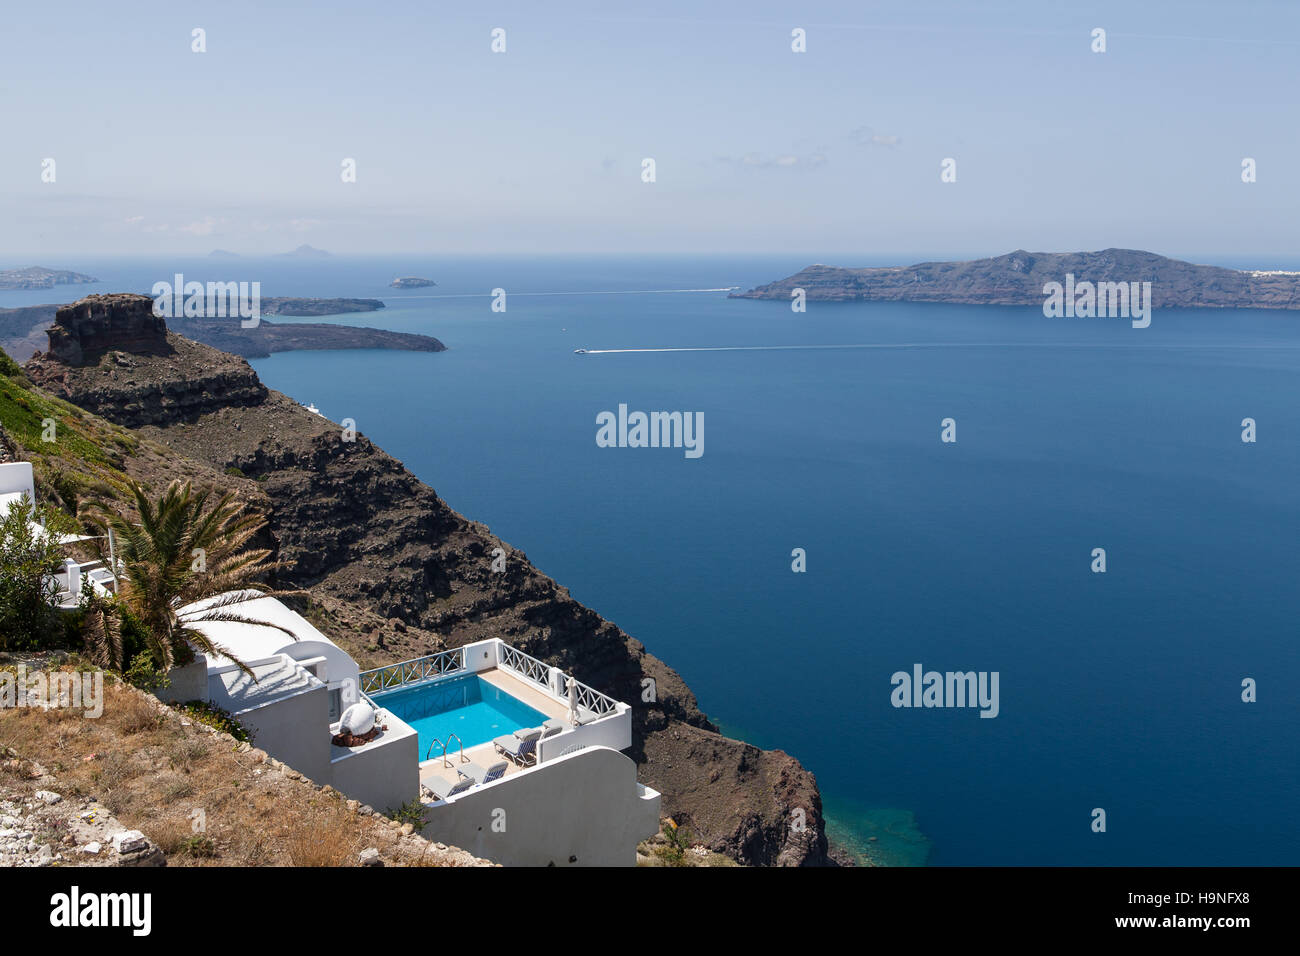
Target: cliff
[[83, 331], [23, 331], [1017, 278], [395, 573], [97, 360]]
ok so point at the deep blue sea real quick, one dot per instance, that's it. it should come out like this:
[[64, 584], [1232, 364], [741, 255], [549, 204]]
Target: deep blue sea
[[1119, 691]]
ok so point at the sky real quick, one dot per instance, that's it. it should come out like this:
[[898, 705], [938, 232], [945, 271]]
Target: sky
[[540, 148]]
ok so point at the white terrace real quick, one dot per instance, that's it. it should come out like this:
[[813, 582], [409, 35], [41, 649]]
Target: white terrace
[[574, 800]]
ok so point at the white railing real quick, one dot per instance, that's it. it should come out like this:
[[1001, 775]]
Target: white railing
[[525, 665], [412, 671], [595, 701], [539, 672]]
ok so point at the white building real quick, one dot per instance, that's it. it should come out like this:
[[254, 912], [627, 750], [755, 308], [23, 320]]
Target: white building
[[65, 585], [565, 796], [299, 688], [573, 800]]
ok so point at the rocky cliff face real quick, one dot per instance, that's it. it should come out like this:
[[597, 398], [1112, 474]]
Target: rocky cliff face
[[395, 573], [23, 332], [84, 330], [1017, 278], [107, 352]]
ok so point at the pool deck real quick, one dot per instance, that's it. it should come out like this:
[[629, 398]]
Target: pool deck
[[440, 777]]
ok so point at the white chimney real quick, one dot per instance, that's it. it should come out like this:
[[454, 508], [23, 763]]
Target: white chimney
[[73, 571]]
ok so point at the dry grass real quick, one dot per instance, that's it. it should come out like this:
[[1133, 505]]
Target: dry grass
[[200, 799], [321, 841], [136, 715]]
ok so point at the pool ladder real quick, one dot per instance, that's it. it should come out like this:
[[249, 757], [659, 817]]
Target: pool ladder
[[435, 740]]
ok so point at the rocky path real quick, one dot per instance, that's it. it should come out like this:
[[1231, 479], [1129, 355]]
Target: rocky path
[[43, 829]]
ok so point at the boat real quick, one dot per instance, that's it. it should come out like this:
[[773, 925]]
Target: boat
[[579, 351]]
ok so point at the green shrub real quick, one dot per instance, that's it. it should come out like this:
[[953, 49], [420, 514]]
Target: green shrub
[[199, 845], [411, 812], [9, 367], [145, 673], [673, 852], [214, 716], [28, 558]]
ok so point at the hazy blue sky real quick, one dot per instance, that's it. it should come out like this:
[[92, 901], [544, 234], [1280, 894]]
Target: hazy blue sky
[[757, 148]]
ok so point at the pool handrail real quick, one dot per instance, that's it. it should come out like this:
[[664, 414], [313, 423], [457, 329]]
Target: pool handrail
[[463, 758]]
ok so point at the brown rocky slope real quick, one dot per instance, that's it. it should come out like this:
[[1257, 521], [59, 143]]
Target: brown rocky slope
[[395, 573]]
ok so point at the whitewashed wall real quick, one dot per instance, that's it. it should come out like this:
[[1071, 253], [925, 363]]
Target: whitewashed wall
[[583, 809]]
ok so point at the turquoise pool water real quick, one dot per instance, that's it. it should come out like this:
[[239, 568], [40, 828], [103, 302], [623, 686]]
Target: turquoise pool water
[[467, 706]]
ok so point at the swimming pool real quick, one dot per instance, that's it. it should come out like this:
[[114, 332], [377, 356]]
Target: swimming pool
[[467, 706]]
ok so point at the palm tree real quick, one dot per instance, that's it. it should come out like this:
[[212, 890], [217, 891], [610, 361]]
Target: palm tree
[[181, 551]]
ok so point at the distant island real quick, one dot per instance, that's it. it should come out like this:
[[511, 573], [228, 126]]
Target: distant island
[[1017, 278], [304, 252], [22, 330], [38, 277], [229, 336], [411, 282], [222, 254], [289, 305]]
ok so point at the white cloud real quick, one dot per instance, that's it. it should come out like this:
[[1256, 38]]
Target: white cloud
[[203, 227], [783, 161], [866, 136]]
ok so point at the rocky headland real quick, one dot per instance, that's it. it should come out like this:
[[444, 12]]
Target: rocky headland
[[23, 331]]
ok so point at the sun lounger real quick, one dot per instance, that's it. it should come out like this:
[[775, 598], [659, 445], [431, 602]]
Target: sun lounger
[[460, 786], [522, 750], [471, 770], [479, 775]]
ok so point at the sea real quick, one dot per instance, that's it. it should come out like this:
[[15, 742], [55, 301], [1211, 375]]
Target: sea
[[1147, 714]]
